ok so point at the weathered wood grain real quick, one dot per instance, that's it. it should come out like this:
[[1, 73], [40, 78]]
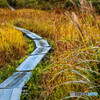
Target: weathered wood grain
[[30, 63], [41, 43], [10, 94], [17, 80], [40, 50], [33, 36], [29, 34]]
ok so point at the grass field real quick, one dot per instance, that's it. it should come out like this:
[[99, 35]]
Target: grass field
[[75, 37]]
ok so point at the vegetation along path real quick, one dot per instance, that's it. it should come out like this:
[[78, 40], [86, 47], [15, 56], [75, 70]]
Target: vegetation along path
[[11, 88]]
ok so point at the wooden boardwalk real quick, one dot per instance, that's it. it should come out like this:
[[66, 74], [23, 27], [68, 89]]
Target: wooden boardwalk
[[11, 88]]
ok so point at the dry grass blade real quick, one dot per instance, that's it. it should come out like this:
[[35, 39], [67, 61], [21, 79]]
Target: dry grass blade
[[84, 69], [70, 82], [76, 24], [73, 97], [75, 6], [77, 72]]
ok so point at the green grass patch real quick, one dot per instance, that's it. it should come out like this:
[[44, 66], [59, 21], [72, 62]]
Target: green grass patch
[[3, 3]]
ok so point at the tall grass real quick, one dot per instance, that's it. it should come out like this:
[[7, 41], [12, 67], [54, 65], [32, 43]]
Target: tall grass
[[75, 64], [12, 45]]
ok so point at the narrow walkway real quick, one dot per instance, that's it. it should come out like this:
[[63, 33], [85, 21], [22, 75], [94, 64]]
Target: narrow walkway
[[11, 88]]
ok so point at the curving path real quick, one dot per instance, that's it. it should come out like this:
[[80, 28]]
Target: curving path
[[11, 88]]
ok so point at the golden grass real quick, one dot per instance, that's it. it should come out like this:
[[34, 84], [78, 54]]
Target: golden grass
[[11, 45], [74, 66]]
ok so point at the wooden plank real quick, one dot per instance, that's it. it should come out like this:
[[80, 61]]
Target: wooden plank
[[6, 94], [41, 43], [33, 36], [30, 63], [21, 29], [10, 94], [29, 34], [16, 93], [1, 92], [11, 8], [17, 80], [40, 50]]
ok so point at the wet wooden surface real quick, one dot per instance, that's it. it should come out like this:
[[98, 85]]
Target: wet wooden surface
[[10, 94], [33, 36], [41, 43], [29, 34], [17, 80], [40, 50], [11, 88], [30, 63]]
